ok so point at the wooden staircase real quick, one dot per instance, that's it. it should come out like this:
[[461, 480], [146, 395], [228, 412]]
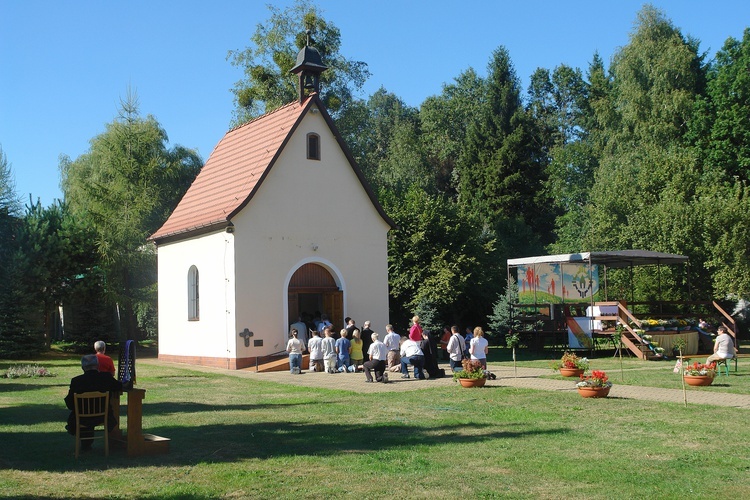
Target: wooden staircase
[[628, 336], [640, 348]]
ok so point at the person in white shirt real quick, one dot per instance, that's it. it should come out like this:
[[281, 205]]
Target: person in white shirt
[[479, 347], [329, 350], [323, 324], [455, 348], [301, 328], [316, 352], [392, 342], [378, 354], [295, 347], [723, 346], [411, 354]]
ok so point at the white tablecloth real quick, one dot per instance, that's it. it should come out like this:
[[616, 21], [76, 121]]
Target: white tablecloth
[[592, 311]]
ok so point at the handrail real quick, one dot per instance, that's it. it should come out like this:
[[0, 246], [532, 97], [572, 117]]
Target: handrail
[[622, 309], [272, 355], [732, 323]]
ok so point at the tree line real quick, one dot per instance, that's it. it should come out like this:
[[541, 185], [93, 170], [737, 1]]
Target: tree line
[[650, 152]]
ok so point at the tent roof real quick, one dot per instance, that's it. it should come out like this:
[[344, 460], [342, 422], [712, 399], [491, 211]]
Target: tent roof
[[618, 258]]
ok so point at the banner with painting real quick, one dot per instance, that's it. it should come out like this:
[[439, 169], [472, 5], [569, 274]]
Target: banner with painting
[[557, 283]]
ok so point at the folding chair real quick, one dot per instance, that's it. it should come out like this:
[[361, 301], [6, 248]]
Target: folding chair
[[92, 410]]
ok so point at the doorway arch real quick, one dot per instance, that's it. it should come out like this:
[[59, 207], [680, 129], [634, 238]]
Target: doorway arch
[[315, 287]]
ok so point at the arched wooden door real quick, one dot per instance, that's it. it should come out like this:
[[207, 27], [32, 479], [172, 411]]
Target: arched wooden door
[[312, 289]]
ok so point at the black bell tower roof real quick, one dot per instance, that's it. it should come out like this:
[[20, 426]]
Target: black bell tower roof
[[309, 67]]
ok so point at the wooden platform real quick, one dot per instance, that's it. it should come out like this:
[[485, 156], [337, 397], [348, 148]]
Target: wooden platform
[[281, 364], [135, 442]]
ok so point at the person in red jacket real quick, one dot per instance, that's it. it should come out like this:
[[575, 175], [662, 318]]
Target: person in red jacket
[[105, 362], [415, 332]]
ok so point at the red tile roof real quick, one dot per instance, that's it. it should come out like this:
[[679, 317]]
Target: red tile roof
[[235, 170], [232, 172]]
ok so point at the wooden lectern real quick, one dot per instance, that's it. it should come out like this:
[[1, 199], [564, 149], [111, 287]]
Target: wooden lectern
[[135, 441]]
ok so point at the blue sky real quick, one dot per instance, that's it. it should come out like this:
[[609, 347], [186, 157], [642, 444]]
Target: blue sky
[[64, 66]]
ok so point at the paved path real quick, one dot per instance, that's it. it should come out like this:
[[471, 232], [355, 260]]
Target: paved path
[[527, 378]]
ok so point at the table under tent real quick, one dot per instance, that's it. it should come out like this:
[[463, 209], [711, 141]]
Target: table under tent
[[564, 304]]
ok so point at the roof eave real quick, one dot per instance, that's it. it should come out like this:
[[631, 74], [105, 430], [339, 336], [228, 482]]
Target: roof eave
[[191, 232]]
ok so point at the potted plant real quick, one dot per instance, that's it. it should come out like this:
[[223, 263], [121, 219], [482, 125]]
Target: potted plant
[[596, 385], [571, 365], [472, 374], [699, 373]]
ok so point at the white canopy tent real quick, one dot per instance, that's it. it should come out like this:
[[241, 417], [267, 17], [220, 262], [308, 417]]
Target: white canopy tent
[[618, 258], [612, 259]]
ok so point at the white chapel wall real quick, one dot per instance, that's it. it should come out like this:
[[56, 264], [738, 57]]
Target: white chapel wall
[[213, 334]]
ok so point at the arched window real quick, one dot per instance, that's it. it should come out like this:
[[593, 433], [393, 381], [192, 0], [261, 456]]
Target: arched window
[[193, 295], [313, 146]]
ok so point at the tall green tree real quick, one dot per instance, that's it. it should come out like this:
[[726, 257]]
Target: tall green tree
[[722, 120], [15, 331], [445, 120], [655, 80], [124, 188], [273, 51], [726, 234], [648, 183], [370, 135], [9, 201], [501, 170], [441, 259], [559, 104], [60, 261]]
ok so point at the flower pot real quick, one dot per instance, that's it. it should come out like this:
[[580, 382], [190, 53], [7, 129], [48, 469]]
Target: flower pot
[[472, 382], [571, 372], [698, 380], [593, 392]]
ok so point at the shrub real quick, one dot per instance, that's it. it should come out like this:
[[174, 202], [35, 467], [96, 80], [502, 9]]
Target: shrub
[[28, 371]]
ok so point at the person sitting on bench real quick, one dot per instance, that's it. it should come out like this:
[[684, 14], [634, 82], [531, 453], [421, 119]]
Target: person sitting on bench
[[723, 346]]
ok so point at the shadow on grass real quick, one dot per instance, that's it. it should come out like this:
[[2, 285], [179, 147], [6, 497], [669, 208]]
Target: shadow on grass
[[33, 415], [232, 442], [20, 386], [45, 414]]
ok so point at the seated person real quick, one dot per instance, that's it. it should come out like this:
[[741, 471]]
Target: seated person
[[91, 380], [723, 346], [106, 364]]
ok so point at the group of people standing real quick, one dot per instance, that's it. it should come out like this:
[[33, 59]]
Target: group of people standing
[[473, 346], [346, 352]]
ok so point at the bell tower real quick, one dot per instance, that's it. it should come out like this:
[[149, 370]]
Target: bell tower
[[309, 67]]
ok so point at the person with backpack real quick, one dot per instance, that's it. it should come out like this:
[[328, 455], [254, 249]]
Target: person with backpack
[[456, 349]]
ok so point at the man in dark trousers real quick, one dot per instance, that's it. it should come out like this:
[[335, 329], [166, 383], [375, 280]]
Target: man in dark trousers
[[365, 335], [91, 380]]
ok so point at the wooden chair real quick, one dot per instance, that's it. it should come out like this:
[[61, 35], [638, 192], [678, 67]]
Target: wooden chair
[[92, 405]]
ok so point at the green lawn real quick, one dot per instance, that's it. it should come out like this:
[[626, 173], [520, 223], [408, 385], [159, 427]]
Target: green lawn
[[239, 438]]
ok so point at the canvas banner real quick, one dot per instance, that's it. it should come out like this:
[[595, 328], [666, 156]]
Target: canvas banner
[[557, 283]]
